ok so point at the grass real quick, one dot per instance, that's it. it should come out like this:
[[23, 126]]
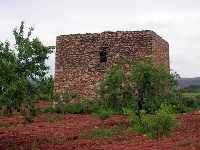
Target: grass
[[74, 108], [101, 133], [191, 94], [155, 125], [103, 113]]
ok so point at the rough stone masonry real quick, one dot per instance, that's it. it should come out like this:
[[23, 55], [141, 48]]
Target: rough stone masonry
[[81, 59]]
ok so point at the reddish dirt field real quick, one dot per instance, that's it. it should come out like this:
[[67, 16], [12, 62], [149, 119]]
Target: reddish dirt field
[[62, 132]]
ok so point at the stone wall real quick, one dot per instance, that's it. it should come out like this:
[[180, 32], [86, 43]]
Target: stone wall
[[79, 66]]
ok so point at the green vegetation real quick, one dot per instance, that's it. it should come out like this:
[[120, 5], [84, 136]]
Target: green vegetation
[[103, 113], [192, 89], [85, 106], [65, 108], [158, 125], [151, 85], [191, 94], [21, 68], [45, 89], [101, 133], [115, 90], [145, 92]]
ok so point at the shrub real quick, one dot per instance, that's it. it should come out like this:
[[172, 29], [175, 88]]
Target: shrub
[[48, 109], [151, 83], [186, 104], [73, 108], [89, 105], [156, 125], [103, 113], [66, 108], [127, 111], [85, 106], [115, 92]]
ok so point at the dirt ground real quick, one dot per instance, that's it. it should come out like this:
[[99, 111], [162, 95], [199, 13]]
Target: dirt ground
[[62, 132]]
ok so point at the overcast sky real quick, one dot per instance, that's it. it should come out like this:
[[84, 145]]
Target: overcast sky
[[177, 21]]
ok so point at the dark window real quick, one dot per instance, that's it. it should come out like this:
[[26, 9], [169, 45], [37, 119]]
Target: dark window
[[103, 55]]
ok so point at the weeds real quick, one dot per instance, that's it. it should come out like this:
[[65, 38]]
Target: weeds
[[101, 133], [157, 125], [103, 113]]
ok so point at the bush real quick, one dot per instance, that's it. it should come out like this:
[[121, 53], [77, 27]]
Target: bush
[[186, 104], [115, 92], [89, 105], [103, 113], [157, 125], [85, 106], [66, 108]]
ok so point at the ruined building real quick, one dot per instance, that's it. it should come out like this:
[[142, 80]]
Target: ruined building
[[81, 59]]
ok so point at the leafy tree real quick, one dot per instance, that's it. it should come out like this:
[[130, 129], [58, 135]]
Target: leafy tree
[[151, 84], [114, 90], [45, 88], [21, 67]]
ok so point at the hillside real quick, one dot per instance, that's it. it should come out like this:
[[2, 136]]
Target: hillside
[[187, 82]]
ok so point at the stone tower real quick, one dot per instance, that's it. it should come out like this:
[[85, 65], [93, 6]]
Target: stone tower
[[81, 59]]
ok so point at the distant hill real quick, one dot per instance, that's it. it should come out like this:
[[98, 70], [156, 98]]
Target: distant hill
[[189, 82]]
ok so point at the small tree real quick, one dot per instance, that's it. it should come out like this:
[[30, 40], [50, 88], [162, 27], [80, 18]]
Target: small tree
[[114, 90], [151, 82], [20, 68]]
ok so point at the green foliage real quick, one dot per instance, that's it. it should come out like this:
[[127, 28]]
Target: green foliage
[[20, 68], [158, 125], [45, 89], [150, 83], [127, 111], [143, 86], [85, 106], [89, 105], [104, 132], [115, 91], [66, 108], [187, 104], [103, 113]]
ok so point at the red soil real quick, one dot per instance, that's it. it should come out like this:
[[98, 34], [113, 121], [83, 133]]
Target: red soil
[[62, 132]]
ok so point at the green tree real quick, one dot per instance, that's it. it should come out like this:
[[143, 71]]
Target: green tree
[[115, 90], [21, 67], [45, 88], [151, 83]]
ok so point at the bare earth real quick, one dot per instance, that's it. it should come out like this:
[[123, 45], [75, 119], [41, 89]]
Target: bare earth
[[62, 132]]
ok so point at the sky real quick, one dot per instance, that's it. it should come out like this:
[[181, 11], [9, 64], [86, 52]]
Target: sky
[[177, 21]]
